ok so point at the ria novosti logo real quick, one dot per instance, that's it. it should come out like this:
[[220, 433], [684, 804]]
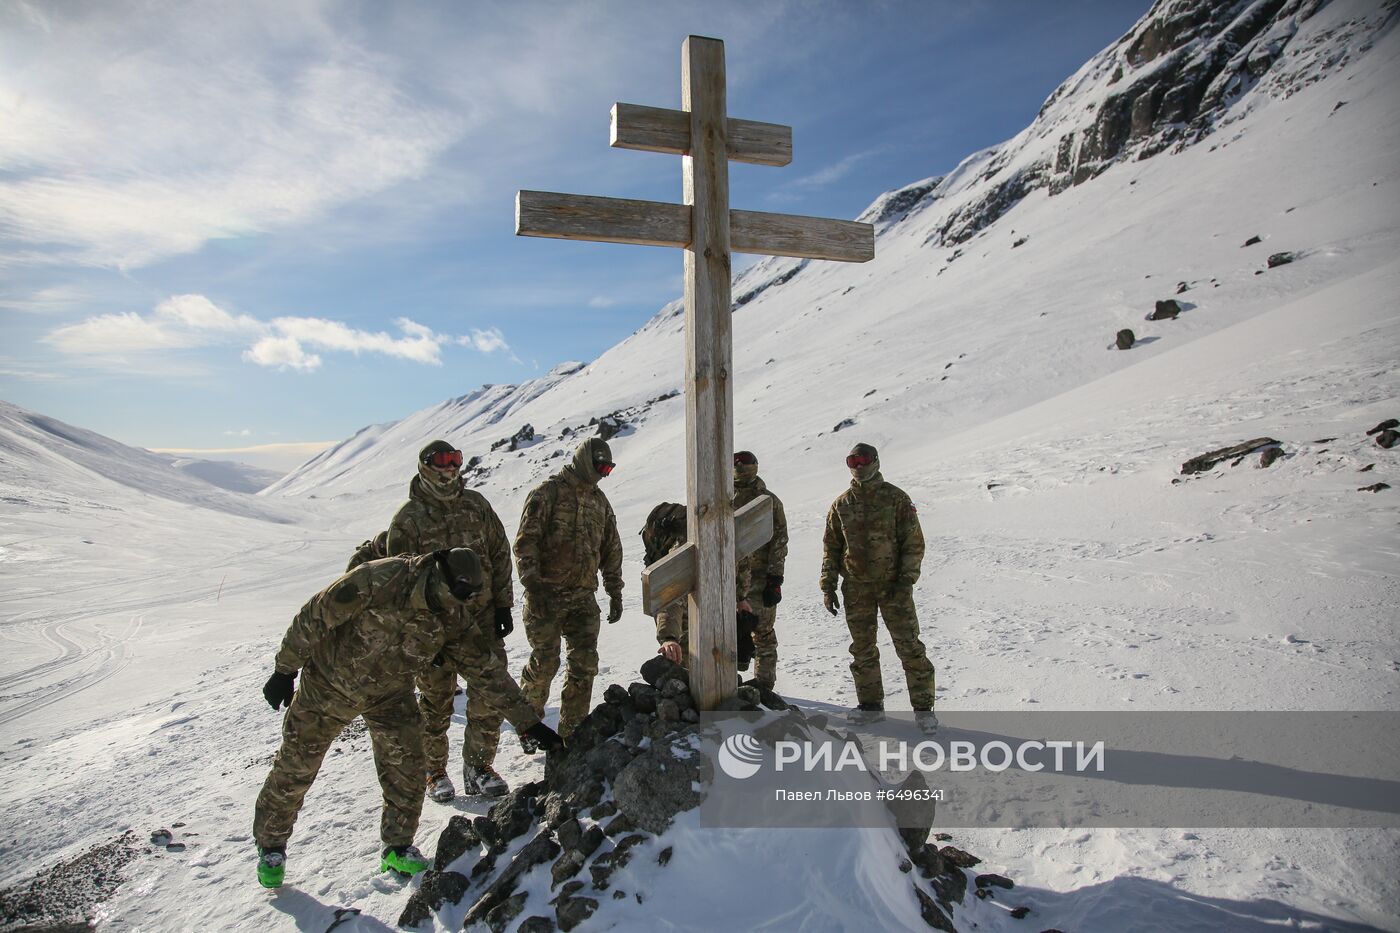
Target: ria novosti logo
[[740, 756]]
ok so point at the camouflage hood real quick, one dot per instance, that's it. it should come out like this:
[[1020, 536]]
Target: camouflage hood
[[870, 473], [592, 451]]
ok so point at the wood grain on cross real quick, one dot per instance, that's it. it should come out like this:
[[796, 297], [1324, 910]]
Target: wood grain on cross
[[709, 231]]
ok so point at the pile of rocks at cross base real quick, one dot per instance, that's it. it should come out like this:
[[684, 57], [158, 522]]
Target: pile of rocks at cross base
[[630, 768]]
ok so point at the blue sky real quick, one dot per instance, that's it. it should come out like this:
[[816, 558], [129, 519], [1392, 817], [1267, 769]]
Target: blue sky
[[228, 226]]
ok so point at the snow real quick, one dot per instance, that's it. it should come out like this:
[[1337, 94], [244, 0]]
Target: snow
[[140, 607]]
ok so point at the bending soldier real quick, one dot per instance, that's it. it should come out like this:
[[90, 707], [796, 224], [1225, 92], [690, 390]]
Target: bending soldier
[[442, 513], [567, 535], [358, 645], [874, 547], [373, 549]]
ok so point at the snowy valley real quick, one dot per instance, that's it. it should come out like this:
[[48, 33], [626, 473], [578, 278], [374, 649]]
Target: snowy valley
[[1071, 565]]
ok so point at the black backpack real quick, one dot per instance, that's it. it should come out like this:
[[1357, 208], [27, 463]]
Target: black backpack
[[665, 528]]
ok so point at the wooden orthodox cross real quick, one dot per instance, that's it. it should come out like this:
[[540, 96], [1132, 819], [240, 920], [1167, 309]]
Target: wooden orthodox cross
[[706, 228]]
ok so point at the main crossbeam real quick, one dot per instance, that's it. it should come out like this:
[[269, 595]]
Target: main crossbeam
[[659, 223]]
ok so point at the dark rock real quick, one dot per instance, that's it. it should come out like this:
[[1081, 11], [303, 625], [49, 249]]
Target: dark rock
[[932, 914], [616, 694], [1206, 461], [569, 834], [1386, 425], [1125, 339], [604, 865], [604, 810], [619, 895], [162, 837], [951, 886], [643, 697], [437, 888], [1020, 242], [593, 837], [608, 428], [1166, 310], [983, 893], [657, 785], [553, 810], [487, 832], [1374, 487], [664, 856], [943, 837], [566, 865], [1019, 913], [1367, 468], [513, 814], [994, 881], [914, 817], [1269, 455], [844, 423], [905, 866], [454, 841], [958, 858], [608, 759], [619, 825], [656, 670], [668, 711], [572, 911], [537, 851], [1251, 241], [1387, 438], [585, 795], [930, 861], [536, 924], [485, 865], [1182, 287], [569, 889], [502, 915], [175, 847], [1281, 259]]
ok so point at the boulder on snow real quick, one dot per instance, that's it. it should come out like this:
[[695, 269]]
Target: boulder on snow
[[1388, 424], [1206, 461], [1125, 339], [1269, 455], [609, 426], [1281, 259], [454, 841], [657, 785], [437, 888], [1374, 487], [1166, 310], [1251, 241], [1387, 438]]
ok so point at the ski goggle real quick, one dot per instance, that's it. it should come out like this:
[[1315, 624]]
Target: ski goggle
[[855, 461], [604, 467], [744, 458], [444, 459]]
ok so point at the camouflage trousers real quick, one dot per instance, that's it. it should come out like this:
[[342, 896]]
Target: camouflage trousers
[[437, 687], [571, 614], [896, 605], [765, 640], [316, 717]]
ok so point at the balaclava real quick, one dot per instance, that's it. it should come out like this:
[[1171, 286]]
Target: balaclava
[[865, 473], [440, 484], [590, 453], [745, 468]]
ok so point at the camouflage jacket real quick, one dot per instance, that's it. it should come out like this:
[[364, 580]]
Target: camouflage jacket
[[371, 631], [872, 536], [424, 524], [567, 534], [673, 619], [365, 553], [768, 560]]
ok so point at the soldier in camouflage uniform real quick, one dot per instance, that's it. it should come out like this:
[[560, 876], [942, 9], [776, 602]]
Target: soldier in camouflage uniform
[[358, 645], [764, 569], [874, 547], [567, 534], [442, 513], [665, 531], [373, 549]]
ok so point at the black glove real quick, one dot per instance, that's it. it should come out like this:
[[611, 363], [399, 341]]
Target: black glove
[[545, 737], [614, 609], [504, 623], [773, 592], [830, 601], [278, 689]]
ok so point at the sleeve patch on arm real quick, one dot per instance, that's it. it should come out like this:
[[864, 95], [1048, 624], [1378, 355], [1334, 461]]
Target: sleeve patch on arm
[[347, 592]]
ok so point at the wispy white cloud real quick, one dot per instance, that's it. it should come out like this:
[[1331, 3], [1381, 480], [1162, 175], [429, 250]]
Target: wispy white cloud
[[184, 322], [601, 301], [245, 432], [822, 177]]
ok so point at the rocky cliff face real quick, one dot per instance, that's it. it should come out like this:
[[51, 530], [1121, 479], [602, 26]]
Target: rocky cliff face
[[1180, 75]]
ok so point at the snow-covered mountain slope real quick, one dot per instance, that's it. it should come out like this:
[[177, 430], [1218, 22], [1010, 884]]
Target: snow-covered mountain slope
[[1065, 568], [227, 474]]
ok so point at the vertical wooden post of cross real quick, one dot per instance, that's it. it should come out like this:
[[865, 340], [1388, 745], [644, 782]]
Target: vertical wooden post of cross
[[708, 230], [710, 397]]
